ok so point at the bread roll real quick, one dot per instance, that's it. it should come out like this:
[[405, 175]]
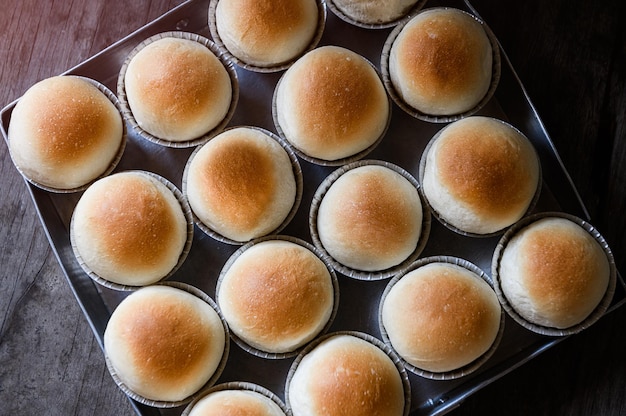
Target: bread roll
[[374, 11], [235, 403], [164, 343], [266, 33], [441, 62], [370, 218], [64, 133], [241, 184], [276, 296], [554, 273], [331, 104], [129, 229], [480, 175], [441, 317], [346, 375], [177, 89]]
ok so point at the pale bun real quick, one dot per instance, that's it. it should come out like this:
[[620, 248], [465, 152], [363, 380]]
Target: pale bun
[[276, 295], [235, 402], [331, 104], [241, 184], [129, 228], [480, 175], [177, 89], [346, 375], [64, 133], [266, 33], [374, 11], [441, 317], [441, 62], [164, 343], [553, 273], [370, 218]]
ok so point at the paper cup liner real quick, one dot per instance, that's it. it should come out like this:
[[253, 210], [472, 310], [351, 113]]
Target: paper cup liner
[[186, 209], [356, 273], [594, 316], [397, 98], [298, 176], [366, 337], [279, 66], [438, 215], [242, 343], [212, 380], [128, 113], [466, 369], [374, 25]]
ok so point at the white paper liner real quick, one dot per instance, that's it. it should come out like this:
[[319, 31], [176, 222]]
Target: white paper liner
[[380, 25], [322, 256], [181, 259], [362, 274], [297, 172], [468, 368], [597, 313], [321, 22], [216, 375], [495, 75], [128, 114]]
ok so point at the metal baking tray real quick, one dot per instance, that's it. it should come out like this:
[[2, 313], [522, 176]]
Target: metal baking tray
[[402, 145]]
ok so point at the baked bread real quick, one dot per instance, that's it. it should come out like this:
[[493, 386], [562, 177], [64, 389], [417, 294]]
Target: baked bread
[[276, 296], [480, 175], [441, 317], [177, 89], [129, 229], [346, 375], [164, 343], [331, 104], [553, 273], [231, 402], [241, 184], [266, 33], [441, 62], [370, 219], [64, 133], [374, 12]]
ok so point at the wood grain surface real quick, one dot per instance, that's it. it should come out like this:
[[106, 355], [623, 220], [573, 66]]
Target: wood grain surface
[[571, 57]]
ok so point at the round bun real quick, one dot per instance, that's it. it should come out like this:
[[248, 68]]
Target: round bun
[[164, 343], [266, 33], [331, 104], [64, 133], [553, 273], [241, 184], [276, 296], [480, 175], [374, 11], [441, 317], [230, 402], [441, 62], [177, 89], [129, 228], [346, 375], [370, 218]]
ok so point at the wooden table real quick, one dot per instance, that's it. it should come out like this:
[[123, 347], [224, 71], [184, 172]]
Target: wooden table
[[570, 55]]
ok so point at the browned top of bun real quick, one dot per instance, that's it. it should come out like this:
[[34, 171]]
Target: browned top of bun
[[236, 403]]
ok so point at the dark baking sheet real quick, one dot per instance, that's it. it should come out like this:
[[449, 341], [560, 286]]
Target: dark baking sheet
[[403, 145]]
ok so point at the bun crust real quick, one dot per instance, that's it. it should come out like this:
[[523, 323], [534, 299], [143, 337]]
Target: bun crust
[[374, 11], [236, 403]]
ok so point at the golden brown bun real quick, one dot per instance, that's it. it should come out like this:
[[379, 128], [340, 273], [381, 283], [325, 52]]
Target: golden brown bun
[[164, 343], [177, 89], [236, 403], [331, 104], [241, 184], [64, 132], [441, 62], [370, 218], [554, 273], [266, 32], [441, 317], [374, 11], [481, 175], [276, 296], [346, 375], [129, 228]]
